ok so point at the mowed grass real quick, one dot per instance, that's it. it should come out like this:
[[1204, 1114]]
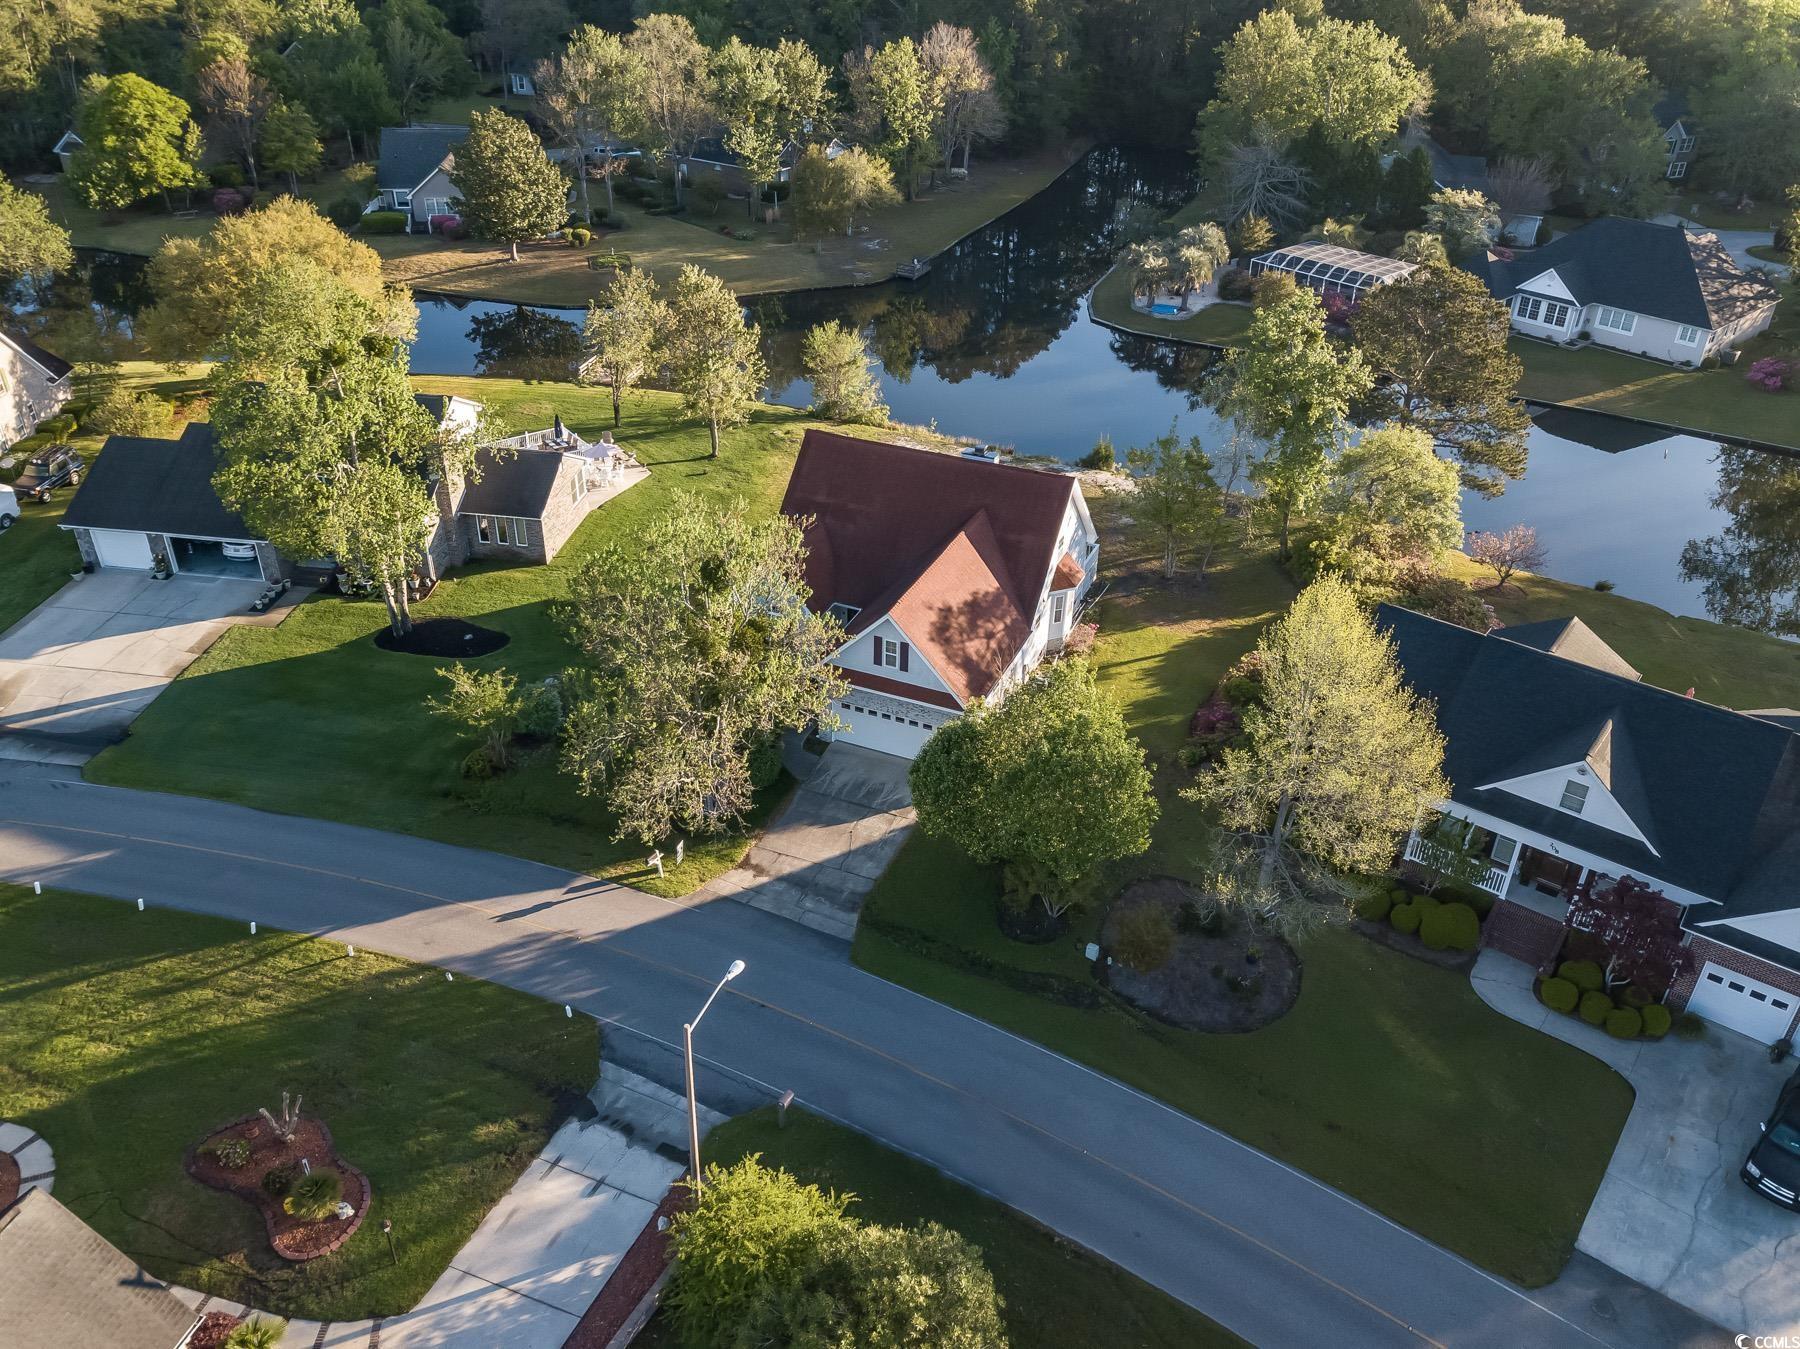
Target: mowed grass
[[127, 1037], [555, 274], [144, 227], [312, 718], [1389, 1078], [1217, 324], [1057, 1295]]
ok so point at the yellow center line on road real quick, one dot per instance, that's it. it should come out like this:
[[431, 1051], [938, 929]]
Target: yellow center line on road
[[798, 1017]]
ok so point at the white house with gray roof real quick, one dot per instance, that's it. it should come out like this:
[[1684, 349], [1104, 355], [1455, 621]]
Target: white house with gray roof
[[413, 171], [1651, 290], [1566, 767]]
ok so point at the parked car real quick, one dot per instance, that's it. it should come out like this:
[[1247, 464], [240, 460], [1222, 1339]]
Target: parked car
[[58, 466], [9, 507], [1773, 1167]]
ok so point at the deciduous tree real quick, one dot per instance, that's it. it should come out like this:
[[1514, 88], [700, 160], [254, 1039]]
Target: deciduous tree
[[714, 356], [967, 106], [830, 194], [1507, 551], [290, 143], [1050, 778], [1338, 761], [486, 702], [697, 647], [1463, 218], [1438, 341], [622, 336], [1750, 570], [843, 381], [31, 243], [677, 95], [239, 100], [1389, 501], [1639, 926], [1261, 181], [137, 140], [422, 57], [1173, 492], [747, 93], [591, 94], [506, 187], [894, 105]]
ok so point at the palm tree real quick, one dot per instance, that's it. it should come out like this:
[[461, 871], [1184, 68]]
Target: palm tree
[[1149, 267], [258, 1332], [1196, 253]]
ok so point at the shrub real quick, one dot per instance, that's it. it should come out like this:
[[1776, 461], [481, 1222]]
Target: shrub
[[1102, 456], [765, 765], [278, 1179], [1426, 903], [1559, 995], [1594, 1006], [257, 1333], [384, 222], [1604, 587], [1656, 1021], [1398, 895], [231, 201], [1688, 1026], [1234, 284], [314, 1196], [706, 193], [599, 262], [1405, 918], [478, 764], [1624, 1023], [230, 1153], [579, 238], [611, 222], [345, 211], [1267, 288], [1635, 996], [226, 175], [122, 412], [61, 426], [1584, 974], [1450, 927], [541, 712], [1769, 374], [1543, 234], [1143, 938], [1373, 908]]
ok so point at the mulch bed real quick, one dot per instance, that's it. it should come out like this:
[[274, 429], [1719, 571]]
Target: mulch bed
[[1409, 944], [9, 1179], [295, 1239], [1195, 988], [444, 637], [212, 1330], [635, 1274]]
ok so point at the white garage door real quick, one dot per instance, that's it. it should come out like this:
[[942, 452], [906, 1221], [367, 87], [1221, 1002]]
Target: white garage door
[[118, 548], [1757, 1010], [893, 733]]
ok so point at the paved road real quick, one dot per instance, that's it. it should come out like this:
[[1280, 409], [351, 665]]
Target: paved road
[[1274, 1255]]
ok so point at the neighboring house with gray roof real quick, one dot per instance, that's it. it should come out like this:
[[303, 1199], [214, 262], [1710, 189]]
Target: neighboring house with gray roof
[[62, 1283], [1566, 766], [1680, 133], [413, 171], [1652, 290]]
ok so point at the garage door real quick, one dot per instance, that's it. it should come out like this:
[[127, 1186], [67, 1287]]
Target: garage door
[[118, 548], [890, 732], [1757, 1010]]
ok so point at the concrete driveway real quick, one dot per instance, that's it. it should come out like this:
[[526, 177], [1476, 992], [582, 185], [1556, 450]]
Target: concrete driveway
[[1671, 1212], [77, 670], [818, 859]]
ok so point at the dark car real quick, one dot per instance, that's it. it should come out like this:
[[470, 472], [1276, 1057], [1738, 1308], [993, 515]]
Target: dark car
[[1773, 1167], [56, 467]]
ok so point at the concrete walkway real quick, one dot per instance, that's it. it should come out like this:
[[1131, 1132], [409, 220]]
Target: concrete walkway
[[544, 1252], [36, 1162], [818, 860], [1671, 1212]]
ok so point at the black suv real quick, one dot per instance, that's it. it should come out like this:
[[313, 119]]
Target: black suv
[[1773, 1167], [56, 467]]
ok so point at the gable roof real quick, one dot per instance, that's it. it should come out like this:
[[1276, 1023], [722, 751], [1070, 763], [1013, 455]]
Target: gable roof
[[957, 549], [47, 361], [159, 486], [1658, 270], [518, 484], [1716, 792], [62, 1283], [1571, 639], [1670, 109], [411, 154]]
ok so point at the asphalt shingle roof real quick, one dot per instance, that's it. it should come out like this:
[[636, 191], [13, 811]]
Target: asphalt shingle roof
[[47, 361], [157, 486], [411, 154], [1658, 270], [519, 485], [1716, 792], [1573, 640]]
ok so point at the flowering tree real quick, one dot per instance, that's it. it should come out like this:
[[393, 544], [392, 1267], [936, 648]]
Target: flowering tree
[[1770, 373], [1510, 550], [1639, 926]]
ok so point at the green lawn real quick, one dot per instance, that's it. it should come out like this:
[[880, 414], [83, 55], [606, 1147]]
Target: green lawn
[[125, 1038], [1220, 324], [1389, 1078], [1057, 1295], [313, 717]]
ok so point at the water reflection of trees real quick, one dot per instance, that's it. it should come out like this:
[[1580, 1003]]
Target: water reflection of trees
[[523, 343], [1001, 297], [1750, 572]]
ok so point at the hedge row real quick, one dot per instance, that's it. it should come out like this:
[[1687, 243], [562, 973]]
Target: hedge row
[[1452, 926], [1578, 988]]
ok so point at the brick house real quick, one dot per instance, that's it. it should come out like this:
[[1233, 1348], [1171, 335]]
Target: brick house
[[953, 575], [1566, 766]]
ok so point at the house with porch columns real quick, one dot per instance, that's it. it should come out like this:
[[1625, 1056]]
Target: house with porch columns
[[1564, 764]]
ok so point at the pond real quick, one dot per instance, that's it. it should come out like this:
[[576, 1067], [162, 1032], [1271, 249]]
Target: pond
[[995, 343]]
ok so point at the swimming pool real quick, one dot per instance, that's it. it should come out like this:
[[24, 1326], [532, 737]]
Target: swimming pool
[[1167, 311]]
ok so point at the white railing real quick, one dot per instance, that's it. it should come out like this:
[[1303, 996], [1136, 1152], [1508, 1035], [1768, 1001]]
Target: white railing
[[1428, 854]]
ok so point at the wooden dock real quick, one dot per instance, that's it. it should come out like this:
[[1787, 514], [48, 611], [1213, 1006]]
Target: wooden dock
[[913, 268]]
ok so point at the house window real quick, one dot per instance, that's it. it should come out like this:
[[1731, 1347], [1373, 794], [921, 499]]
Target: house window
[[484, 529], [578, 485], [1687, 335], [1619, 320], [402, 200], [1677, 169], [436, 206], [1574, 796], [1555, 314], [1059, 605], [1501, 854], [891, 655], [1682, 145], [502, 529], [510, 530]]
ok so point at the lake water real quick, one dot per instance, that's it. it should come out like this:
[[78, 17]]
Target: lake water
[[995, 343]]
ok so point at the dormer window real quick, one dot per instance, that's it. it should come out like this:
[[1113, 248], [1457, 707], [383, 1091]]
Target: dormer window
[[844, 613], [1574, 796]]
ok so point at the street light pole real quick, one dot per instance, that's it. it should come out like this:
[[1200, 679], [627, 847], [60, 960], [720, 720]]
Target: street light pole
[[687, 1038]]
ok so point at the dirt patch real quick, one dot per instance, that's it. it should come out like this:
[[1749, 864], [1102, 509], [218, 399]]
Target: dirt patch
[[292, 1238], [9, 1179], [1232, 979], [442, 637]]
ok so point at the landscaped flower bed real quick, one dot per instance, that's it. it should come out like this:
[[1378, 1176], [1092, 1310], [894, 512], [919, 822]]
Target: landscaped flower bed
[[270, 1177], [1578, 989], [9, 1179], [1445, 931]]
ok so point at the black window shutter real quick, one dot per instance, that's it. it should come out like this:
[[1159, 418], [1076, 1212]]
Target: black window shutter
[[905, 655]]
